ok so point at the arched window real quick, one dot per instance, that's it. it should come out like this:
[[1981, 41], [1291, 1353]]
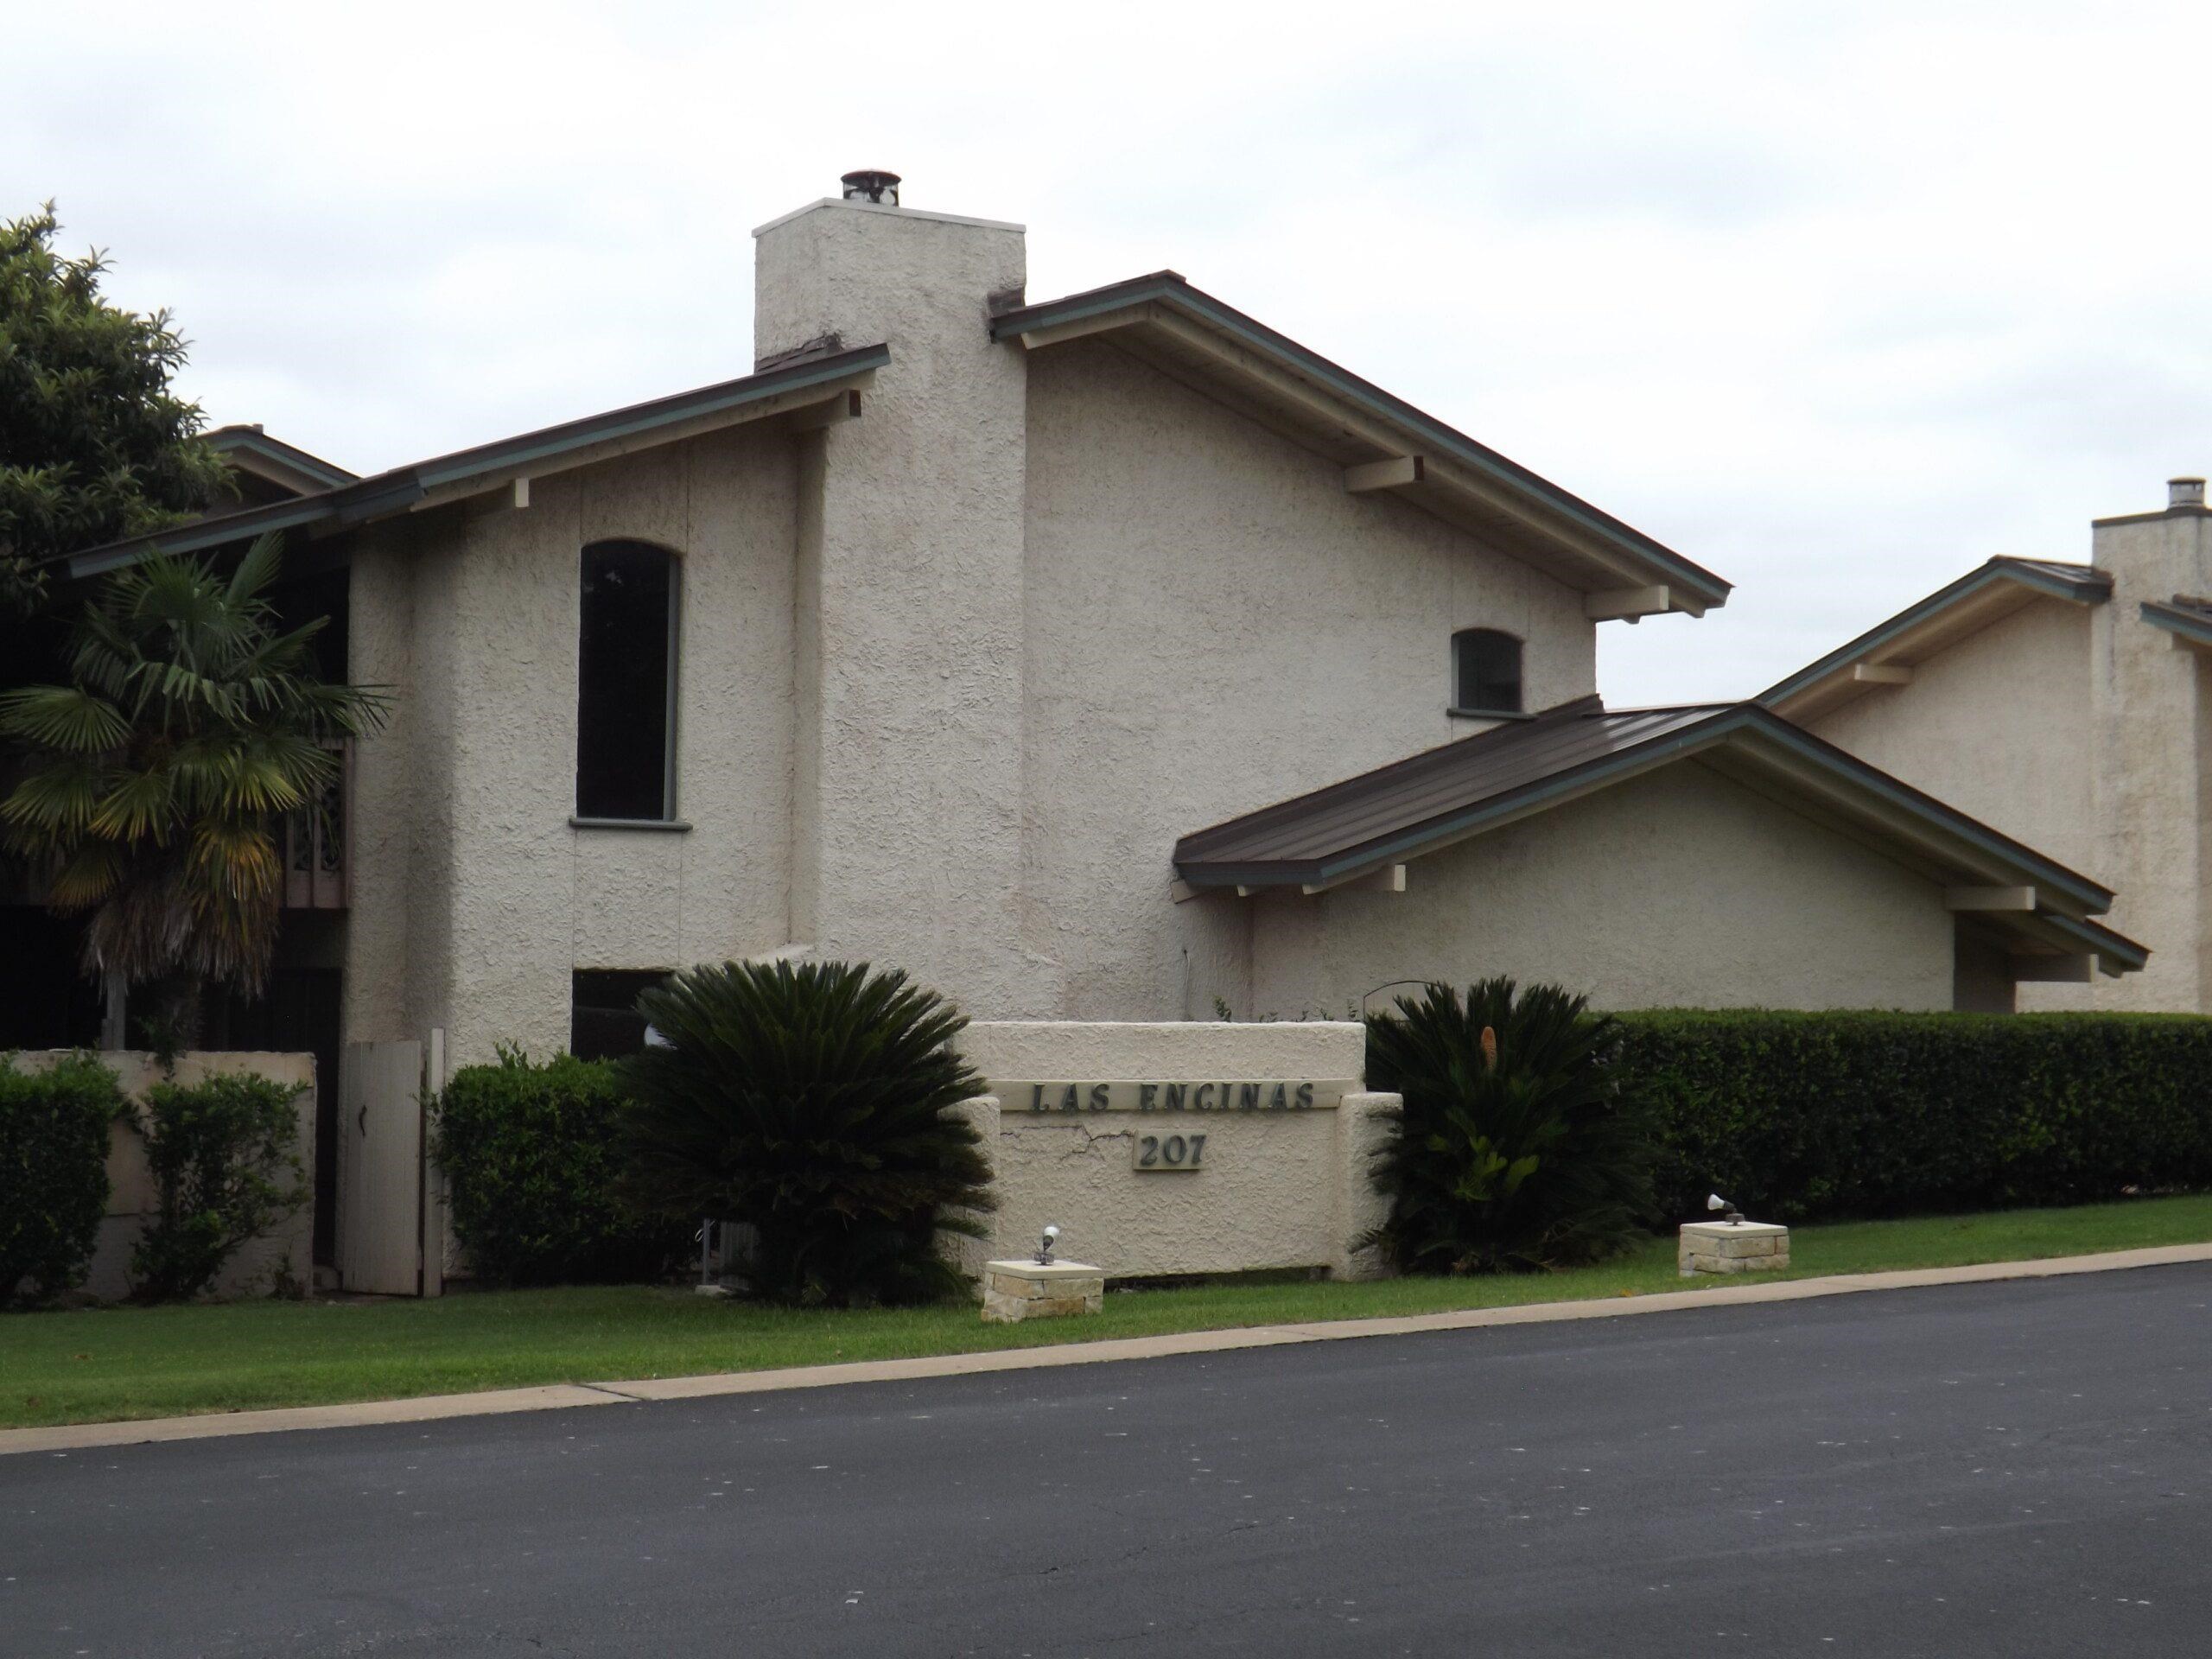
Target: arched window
[[625, 683], [1486, 671]]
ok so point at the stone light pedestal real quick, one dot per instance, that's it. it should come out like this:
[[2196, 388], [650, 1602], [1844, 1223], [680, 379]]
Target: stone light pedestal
[[1746, 1247], [1014, 1291]]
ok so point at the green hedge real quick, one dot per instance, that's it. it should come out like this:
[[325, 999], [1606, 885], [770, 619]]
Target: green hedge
[[529, 1153], [1810, 1116], [53, 1142], [223, 1153]]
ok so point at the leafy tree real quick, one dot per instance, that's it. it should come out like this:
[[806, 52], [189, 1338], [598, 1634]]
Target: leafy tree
[[156, 780], [1517, 1149], [813, 1102], [93, 444]]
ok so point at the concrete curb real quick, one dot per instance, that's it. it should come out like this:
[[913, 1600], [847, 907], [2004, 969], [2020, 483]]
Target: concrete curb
[[561, 1395]]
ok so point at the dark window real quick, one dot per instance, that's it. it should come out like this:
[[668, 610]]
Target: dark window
[[1486, 671], [625, 679], [604, 1023]]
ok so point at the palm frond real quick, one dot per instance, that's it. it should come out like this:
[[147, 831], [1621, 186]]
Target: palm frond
[[62, 717]]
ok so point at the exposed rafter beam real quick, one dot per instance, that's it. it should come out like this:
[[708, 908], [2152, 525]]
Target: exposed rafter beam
[[2009, 898], [1881, 673], [1393, 473], [1391, 878], [1632, 604]]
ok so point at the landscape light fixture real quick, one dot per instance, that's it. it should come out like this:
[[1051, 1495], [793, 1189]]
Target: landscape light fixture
[[1714, 1202], [1045, 1246]]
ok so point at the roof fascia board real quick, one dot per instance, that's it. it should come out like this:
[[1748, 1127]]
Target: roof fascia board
[[206, 532], [827, 374], [663, 420], [1887, 632], [2103, 941], [2183, 625], [275, 453], [1169, 292]]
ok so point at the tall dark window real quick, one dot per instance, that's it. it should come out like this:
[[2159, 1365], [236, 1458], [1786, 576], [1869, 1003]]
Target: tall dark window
[[1486, 671], [625, 681]]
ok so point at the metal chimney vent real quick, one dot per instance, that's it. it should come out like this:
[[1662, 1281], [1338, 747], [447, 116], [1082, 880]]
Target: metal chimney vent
[[2184, 492], [871, 185]]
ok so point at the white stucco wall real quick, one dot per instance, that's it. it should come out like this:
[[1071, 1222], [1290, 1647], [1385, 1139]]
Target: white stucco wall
[[462, 809], [1999, 726], [1276, 1189], [1215, 624], [1679, 888]]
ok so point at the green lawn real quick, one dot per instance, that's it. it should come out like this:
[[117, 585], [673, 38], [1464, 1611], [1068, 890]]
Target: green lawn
[[121, 1363]]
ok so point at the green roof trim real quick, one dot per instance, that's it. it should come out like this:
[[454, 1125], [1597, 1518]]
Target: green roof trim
[[1169, 287], [384, 493], [2089, 588], [2191, 624]]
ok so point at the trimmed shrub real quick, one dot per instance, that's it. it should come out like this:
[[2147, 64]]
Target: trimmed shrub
[[1519, 1147], [223, 1153], [812, 1102], [1813, 1116], [529, 1153], [54, 1144]]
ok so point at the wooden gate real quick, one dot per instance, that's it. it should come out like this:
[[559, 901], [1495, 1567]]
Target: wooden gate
[[380, 1213]]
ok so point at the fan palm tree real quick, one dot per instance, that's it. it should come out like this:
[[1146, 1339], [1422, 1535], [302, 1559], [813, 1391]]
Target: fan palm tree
[[153, 784]]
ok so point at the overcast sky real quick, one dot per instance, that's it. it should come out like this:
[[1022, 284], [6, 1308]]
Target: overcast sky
[[1837, 299]]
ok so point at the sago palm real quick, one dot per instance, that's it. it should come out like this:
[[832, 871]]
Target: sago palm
[[153, 784], [1518, 1148], [814, 1103]]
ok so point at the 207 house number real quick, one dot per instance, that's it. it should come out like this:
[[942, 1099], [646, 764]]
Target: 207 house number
[[1157, 1152]]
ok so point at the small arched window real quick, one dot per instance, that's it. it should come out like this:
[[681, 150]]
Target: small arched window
[[1485, 672], [625, 683]]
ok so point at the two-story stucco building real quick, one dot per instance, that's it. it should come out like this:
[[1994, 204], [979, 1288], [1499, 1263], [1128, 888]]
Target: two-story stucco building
[[2070, 705], [1106, 658]]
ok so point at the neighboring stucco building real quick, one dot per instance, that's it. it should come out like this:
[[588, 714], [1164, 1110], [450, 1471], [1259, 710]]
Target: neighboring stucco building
[[2070, 705], [997, 640]]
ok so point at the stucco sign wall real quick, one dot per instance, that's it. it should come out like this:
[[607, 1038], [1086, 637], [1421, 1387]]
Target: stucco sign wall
[[1267, 1130]]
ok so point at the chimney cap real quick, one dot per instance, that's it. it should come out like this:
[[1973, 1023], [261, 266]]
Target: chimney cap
[[874, 185]]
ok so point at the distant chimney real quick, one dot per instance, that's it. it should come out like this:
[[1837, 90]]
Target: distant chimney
[[2184, 492], [882, 188]]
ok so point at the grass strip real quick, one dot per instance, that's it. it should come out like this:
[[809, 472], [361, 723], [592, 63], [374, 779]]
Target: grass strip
[[103, 1364]]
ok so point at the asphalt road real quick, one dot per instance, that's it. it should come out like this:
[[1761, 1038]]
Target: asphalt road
[[2005, 1469]]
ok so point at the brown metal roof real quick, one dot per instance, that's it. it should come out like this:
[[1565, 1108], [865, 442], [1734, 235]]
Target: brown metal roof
[[1431, 800], [1296, 838]]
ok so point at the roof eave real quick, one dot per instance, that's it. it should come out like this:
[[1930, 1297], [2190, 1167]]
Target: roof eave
[[1998, 854], [572, 443], [1812, 688], [1165, 299]]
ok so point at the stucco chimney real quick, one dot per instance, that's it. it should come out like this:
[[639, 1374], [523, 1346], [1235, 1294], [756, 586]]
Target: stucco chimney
[[910, 571], [2184, 492]]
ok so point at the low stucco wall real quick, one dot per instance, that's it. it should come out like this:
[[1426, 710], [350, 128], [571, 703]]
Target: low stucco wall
[[1279, 1186], [287, 1252]]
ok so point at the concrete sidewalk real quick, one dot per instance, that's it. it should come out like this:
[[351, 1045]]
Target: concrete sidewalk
[[565, 1395]]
